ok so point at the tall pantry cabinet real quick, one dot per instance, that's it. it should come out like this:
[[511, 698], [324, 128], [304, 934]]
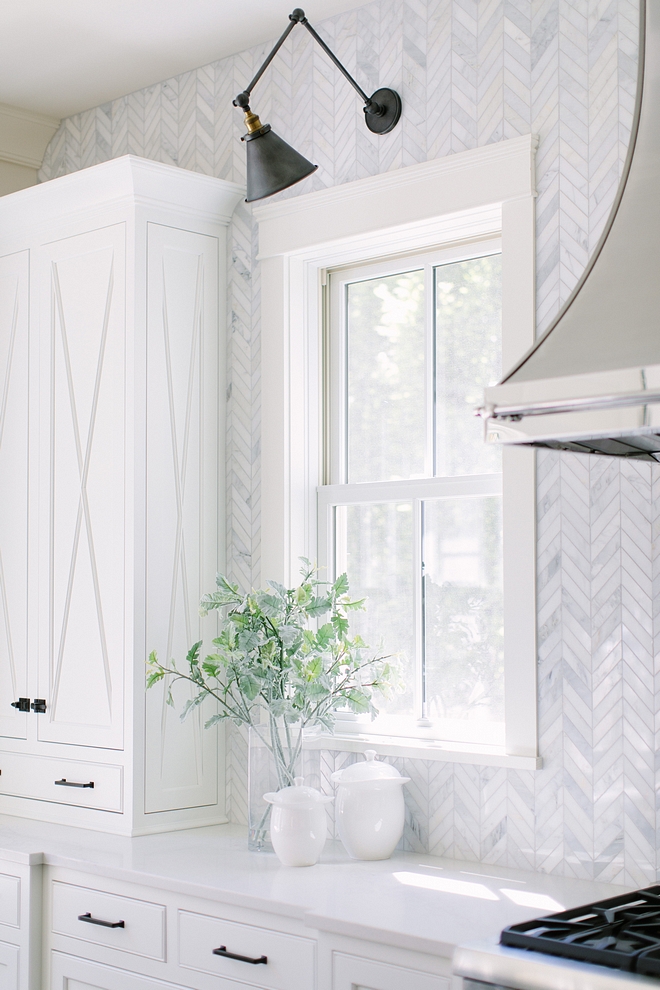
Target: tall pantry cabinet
[[111, 490]]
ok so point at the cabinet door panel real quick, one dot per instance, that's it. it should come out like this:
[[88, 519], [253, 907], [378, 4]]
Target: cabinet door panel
[[8, 966], [10, 900], [355, 973], [181, 501], [14, 394], [82, 486]]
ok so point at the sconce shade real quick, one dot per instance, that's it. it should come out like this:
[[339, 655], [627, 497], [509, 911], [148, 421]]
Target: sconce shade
[[272, 164]]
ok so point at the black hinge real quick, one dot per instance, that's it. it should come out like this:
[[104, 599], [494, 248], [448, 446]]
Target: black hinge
[[38, 705], [23, 704]]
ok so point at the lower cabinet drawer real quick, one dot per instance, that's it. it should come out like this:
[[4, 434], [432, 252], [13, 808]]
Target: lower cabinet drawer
[[113, 920], [8, 966], [286, 962], [354, 973], [86, 785], [72, 973]]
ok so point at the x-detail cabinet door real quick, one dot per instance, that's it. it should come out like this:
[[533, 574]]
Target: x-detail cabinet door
[[81, 302]]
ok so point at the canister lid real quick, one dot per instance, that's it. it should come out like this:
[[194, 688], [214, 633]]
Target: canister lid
[[297, 796], [369, 769]]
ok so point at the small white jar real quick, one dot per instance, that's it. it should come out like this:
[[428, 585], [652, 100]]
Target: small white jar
[[298, 824], [370, 810]]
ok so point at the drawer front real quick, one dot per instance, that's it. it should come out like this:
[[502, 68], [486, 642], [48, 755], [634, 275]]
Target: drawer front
[[355, 973], [71, 973], [8, 966], [10, 900], [142, 932], [291, 960], [35, 777]]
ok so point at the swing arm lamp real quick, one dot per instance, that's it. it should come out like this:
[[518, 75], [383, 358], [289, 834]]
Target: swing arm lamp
[[272, 164]]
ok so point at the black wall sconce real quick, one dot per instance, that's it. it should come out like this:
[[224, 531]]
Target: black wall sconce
[[272, 164]]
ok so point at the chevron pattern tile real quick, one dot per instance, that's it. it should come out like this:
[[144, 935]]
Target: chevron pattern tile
[[470, 72]]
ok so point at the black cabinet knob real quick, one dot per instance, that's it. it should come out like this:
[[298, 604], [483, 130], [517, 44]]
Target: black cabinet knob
[[23, 704]]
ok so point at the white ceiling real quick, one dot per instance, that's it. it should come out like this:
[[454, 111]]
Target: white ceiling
[[58, 57]]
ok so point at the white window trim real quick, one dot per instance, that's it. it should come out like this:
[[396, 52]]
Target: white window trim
[[488, 191]]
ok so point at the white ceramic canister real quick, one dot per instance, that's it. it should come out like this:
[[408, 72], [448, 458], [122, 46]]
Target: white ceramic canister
[[298, 824], [370, 811]]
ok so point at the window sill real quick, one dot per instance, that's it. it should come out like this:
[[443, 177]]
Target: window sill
[[425, 749]]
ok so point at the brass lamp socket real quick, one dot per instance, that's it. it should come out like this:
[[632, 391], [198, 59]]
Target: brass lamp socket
[[252, 122]]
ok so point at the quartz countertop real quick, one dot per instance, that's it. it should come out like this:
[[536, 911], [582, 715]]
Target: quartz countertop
[[413, 901]]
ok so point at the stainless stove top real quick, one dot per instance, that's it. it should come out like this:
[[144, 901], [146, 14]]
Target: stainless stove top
[[621, 932]]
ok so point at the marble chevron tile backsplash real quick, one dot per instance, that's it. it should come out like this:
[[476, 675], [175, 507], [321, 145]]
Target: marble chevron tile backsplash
[[470, 72]]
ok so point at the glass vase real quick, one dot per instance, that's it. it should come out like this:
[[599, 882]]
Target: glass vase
[[278, 752]]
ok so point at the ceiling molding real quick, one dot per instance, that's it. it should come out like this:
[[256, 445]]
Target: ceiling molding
[[24, 135]]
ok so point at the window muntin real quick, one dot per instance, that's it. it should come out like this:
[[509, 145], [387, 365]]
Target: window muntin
[[411, 349]]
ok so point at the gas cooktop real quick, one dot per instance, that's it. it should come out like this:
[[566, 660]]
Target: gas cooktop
[[623, 932]]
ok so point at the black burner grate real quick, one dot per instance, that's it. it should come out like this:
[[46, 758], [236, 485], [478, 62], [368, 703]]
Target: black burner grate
[[623, 932]]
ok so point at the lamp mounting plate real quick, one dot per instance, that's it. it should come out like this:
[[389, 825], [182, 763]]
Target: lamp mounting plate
[[383, 123]]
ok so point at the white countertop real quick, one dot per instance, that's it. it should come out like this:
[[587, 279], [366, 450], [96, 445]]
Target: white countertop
[[413, 901]]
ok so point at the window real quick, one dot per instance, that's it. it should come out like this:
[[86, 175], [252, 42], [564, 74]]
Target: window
[[405, 491], [413, 508]]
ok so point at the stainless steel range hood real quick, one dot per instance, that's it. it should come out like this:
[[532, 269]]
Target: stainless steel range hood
[[592, 382]]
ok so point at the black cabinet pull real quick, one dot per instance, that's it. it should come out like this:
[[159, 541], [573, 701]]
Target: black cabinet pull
[[95, 921], [72, 783], [38, 705], [222, 951], [23, 704]]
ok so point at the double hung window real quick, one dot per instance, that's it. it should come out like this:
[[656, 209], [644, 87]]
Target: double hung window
[[412, 508], [371, 458]]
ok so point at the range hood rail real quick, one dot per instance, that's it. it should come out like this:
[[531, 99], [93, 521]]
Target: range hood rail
[[515, 413]]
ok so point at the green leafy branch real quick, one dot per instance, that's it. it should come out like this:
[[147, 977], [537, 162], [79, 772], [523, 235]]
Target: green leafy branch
[[273, 655]]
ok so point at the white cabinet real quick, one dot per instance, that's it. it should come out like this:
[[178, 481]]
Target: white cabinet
[[161, 935], [111, 431], [20, 926], [203, 943]]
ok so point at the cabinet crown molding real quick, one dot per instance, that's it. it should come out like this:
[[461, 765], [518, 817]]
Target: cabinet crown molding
[[144, 182]]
